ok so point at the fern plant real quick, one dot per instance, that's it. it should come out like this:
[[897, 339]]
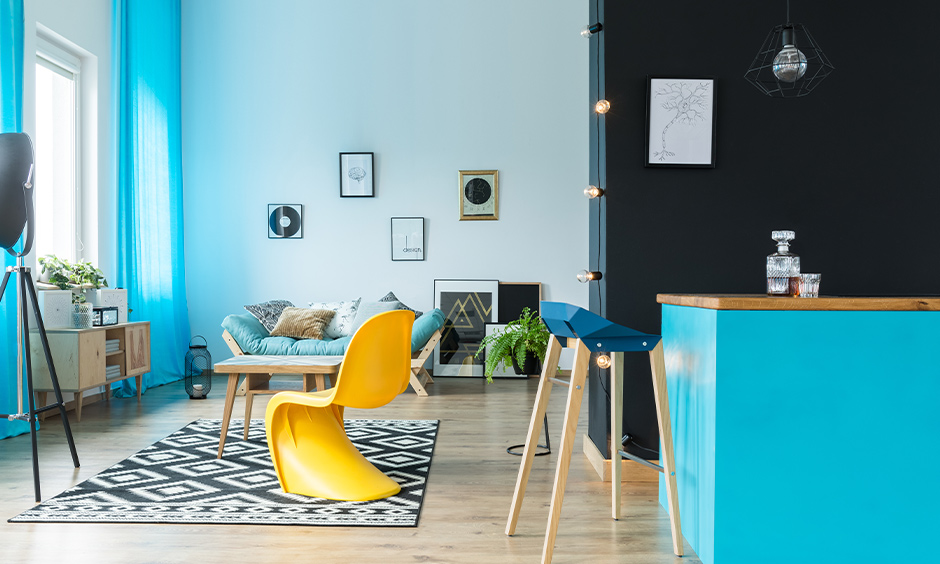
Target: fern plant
[[524, 335]]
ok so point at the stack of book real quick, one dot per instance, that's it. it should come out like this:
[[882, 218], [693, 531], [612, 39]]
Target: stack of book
[[112, 371], [112, 346]]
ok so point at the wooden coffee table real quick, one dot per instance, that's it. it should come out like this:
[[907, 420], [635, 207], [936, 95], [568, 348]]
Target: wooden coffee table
[[313, 368]]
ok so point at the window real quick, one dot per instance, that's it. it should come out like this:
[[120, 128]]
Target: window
[[58, 179]]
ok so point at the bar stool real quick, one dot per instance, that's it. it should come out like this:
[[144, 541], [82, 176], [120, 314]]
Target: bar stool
[[586, 332]]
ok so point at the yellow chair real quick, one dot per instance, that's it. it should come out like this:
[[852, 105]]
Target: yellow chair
[[311, 453]]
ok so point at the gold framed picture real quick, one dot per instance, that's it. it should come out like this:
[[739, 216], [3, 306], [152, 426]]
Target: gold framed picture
[[479, 194]]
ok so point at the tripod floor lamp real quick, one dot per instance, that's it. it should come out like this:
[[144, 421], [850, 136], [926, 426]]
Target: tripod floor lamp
[[16, 212]]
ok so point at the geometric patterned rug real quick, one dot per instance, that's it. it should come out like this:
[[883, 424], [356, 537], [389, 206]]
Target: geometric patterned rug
[[180, 480]]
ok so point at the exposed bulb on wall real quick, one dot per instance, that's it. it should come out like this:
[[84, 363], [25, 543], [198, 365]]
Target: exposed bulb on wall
[[588, 275], [589, 30], [602, 106], [593, 192], [603, 361]]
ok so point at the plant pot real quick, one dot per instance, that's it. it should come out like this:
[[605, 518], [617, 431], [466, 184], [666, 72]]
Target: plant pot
[[532, 366]]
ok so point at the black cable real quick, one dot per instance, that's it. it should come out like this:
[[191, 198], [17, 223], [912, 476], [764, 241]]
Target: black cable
[[628, 439]]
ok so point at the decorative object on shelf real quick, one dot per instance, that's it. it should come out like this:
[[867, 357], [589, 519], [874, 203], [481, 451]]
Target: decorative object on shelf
[[790, 63], [198, 366], [680, 122], [356, 179], [783, 267], [81, 311], [81, 275], [407, 238], [111, 297], [467, 306], [285, 221], [103, 316], [479, 194], [56, 308], [521, 343]]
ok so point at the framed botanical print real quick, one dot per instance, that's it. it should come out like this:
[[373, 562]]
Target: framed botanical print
[[479, 194], [680, 122]]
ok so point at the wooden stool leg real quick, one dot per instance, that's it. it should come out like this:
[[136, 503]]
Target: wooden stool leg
[[575, 392], [661, 394], [249, 396], [616, 429], [549, 368]]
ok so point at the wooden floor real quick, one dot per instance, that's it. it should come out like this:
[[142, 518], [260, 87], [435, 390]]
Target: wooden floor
[[463, 518]]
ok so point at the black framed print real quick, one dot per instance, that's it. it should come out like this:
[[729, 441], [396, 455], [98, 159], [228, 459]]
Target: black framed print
[[479, 194], [468, 305], [407, 238], [356, 178], [680, 122], [285, 221]]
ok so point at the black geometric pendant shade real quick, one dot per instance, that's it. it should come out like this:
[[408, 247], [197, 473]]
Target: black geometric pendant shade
[[802, 71]]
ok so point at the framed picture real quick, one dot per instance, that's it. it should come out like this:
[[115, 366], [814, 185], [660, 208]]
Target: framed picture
[[355, 175], [407, 238], [468, 305], [503, 371], [285, 221], [479, 194], [680, 122]]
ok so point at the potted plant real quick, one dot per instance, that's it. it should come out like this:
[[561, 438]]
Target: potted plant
[[55, 271], [522, 343]]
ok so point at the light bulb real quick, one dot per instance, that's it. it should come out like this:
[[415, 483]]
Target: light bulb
[[593, 192], [588, 275], [789, 64], [602, 106], [603, 361], [589, 30]]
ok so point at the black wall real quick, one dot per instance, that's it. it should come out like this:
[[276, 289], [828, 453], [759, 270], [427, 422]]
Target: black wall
[[852, 168]]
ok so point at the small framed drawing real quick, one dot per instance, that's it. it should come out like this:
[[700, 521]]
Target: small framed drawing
[[680, 122], [285, 221], [355, 175], [479, 194], [407, 238], [468, 305]]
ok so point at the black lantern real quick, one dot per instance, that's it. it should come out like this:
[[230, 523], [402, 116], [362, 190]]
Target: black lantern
[[198, 369]]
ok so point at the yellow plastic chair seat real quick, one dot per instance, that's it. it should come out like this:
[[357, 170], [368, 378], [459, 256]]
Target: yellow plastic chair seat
[[309, 448]]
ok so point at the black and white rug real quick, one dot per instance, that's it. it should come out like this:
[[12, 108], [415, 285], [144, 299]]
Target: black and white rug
[[180, 480]]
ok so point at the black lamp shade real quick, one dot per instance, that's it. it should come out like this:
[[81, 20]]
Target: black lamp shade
[[16, 159]]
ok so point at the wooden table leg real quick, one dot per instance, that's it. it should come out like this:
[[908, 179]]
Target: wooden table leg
[[661, 394], [42, 403], [140, 384], [575, 392], [616, 429], [78, 405], [227, 413], [549, 368], [249, 396], [321, 383]]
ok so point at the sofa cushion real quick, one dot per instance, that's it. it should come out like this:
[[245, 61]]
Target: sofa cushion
[[390, 297], [302, 323], [268, 312], [424, 327], [341, 324], [367, 310]]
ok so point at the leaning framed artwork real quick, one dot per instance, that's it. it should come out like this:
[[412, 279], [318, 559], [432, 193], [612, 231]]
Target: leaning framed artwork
[[468, 305], [356, 178], [407, 238], [479, 194], [680, 122]]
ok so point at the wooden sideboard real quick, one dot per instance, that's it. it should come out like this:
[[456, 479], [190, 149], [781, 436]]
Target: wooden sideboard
[[81, 360]]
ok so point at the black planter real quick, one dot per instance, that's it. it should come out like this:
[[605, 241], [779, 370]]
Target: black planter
[[533, 365]]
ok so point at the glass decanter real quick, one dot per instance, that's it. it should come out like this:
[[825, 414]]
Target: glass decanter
[[783, 267]]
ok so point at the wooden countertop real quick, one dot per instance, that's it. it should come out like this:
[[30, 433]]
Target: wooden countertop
[[823, 303]]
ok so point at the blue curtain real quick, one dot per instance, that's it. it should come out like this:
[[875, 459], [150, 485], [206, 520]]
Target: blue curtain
[[11, 121], [149, 179]]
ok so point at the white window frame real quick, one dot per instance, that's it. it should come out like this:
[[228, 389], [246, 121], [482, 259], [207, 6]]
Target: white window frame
[[63, 61]]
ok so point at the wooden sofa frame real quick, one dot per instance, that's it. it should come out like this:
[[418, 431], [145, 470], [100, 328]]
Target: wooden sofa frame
[[419, 377]]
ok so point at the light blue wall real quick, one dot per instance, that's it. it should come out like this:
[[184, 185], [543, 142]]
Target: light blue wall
[[274, 90]]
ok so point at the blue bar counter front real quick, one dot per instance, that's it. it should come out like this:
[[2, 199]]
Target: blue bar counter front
[[805, 436]]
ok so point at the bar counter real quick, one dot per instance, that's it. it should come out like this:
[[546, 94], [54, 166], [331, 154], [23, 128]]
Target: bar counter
[[806, 429]]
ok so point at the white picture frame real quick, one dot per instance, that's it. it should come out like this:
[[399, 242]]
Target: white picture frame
[[407, 238], [680, 122]]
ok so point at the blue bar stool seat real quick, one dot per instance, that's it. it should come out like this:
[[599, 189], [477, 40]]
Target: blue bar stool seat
[[586, 332]]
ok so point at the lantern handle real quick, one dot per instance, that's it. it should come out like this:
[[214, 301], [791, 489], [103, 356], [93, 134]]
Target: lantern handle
[[205, 346]]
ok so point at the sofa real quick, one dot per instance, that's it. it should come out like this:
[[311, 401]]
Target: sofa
[[245, 334]]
